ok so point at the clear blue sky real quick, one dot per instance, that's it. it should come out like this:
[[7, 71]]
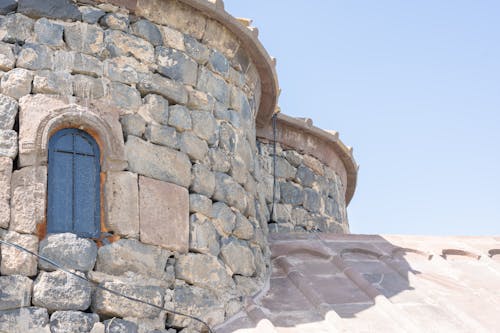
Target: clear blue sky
[[414, 87]]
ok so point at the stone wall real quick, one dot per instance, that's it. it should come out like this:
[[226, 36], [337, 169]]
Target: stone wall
[[171, 91]]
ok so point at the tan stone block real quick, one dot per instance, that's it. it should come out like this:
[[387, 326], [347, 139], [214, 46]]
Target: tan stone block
[[28, 188], [164, 214], [122, 203], [17, 262], [314, 164], [220, 38], [5, 176]]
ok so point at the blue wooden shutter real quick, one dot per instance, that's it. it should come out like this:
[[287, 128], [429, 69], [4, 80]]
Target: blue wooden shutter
[[73, 184]]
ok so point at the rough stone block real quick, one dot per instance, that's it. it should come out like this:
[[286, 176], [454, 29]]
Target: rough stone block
[[227, 137], [284, 169], [87, 65], [91, 14], [29, 319], [8, 112], [16, 28], [124, 96], [238, 171], [238, 257], [155, 108], [199, 100], [291, 193], [172, 38], [117, 325], [203, 180], [133, 124], [158, 162], [164, 214], [220, 38], [56, 9], [205, 126], [17, 83], [28, 188], [61, 291], [223, 218], [7, 57], [147, 31], [122, 69], [200, 204], [204, 271], [72, 321], [230, 192], [203, 236], [243, 228], [282, 213], [218, 63], [68, 250], [157, 84], [16, 262], [196, 50], [116, 21], [314, 164], [180, 118], [7, 6], [35, 57], [219, 160], [312, 200], [16, 292], [84, 38], [110, 305], [50, 33], [122, 203], [119, 43], [216, 86], [130, 255], [194, 147], [88, 87], [57, 83], [176, 65], [163, 135], [4, 213]]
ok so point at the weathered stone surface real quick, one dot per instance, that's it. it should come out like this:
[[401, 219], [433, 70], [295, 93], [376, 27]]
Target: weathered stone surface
[[87, 65], [6, 164], [7, 6], [56, 9], [291, 193], [47, 32], [180, 118], [14, 261], [239, 102], [124, 96], [155, 108], [15, 292], [203, 271], [223, 218], [16, 28], [117, 325], [312, 201], [198, 302], [122, 69], [203, 180], [107, 304], [49, 82], [158, 162], [133, 124], [218, 63], [119, 43], [69, 251], [200, 101], [230, 192], [29, 320], [130, 255], [28, 199], [72, 321], [203, 235], [205, 126], [164, 214], [282, 213], [8, 112], [194, 147], [176, 65], [35, 57], [91, 14], [284, 169], [196, 50], [163, 135], [88, 87], [220, 38], [238, 257], [200, 204], [238, 171], [157, 84], [84, 38], [147, 31], [117, 21], [17, 83], [305, 176], [7, 57], [61, 291], [219, 160], [314, 164], [243, 228], [216, 86], [227, 137], [121, 202], [4, 213]]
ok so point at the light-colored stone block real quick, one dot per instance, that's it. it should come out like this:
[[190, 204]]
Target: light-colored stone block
[[17, 262], [164, 214], [5, 176], [16, 292], [121, 202]]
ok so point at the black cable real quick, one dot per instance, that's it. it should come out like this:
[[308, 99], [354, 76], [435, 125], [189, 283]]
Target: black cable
[[19, 247], [271, 218]]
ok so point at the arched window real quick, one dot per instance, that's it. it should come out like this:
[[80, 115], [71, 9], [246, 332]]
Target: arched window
[[73, 184]]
